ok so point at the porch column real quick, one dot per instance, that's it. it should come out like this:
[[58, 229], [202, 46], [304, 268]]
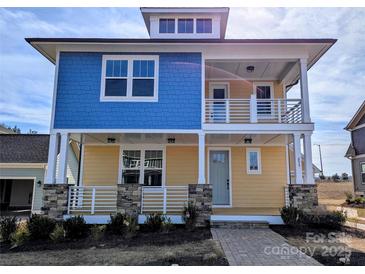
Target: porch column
[[201, 178], [297, 159], [308, 174], [52, 158], [253, 108], [62, 161], [304, 91]]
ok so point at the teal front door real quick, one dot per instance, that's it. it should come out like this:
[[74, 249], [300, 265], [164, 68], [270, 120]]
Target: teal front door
[[219, 176]]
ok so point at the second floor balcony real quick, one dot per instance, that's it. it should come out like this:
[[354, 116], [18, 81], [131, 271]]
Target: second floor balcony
[[253, 110]]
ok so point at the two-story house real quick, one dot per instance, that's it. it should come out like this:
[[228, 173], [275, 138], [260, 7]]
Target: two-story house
[[356, 150], [183, 115]]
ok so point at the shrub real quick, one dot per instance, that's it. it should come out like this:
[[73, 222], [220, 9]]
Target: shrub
[[167, 225], [190, 214], [117, 224], [97, 232], [292, 215], [154, 222], [359, 200], [336, 177], [76, 228], [349, 197], [331, 219], [7, 227], [131, 223], [21, 234], [58, 234], [40, 227]]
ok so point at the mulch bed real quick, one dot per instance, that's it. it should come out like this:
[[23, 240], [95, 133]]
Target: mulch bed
[[329, 252]]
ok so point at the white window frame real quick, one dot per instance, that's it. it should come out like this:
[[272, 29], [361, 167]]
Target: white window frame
[[361, 173], [142, 149], [129, 97], [265, 84], [258, 151]]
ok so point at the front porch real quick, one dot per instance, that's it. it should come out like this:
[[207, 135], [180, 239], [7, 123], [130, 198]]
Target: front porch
[[234, 176]]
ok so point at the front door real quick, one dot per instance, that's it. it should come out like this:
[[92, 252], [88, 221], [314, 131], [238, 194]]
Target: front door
[[219, 176]]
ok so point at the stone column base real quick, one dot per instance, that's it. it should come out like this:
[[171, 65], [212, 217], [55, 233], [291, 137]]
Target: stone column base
[[55, 198], [129, 199], [303, 197], [201, 196]]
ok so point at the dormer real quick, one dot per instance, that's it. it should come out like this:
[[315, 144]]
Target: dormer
[[186, 23]]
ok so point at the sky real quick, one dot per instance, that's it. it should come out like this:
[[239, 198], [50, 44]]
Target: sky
[[336, 82]]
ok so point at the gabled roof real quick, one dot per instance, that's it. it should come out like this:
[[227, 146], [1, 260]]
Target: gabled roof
[[350, 152], [24, 148], [360, 113]]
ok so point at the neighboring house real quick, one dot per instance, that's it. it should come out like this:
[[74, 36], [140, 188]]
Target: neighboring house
[[356, 150], [4, 130], [23, 163], [184, 115]]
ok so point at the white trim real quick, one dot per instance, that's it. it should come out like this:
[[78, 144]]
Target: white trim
[[55, 87], [259, 164], [91, 219], [129, 97], [271, 219], [142, 148], [211, 148], [357, 127], [361, 173], [272, 96], [287, 164], [24, 178], [175, 219], [201, 158], [358, 156], [202, 115], [23, 165], [82, 162], [303, 67]]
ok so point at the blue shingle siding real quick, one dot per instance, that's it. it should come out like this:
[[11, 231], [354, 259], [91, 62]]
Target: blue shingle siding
[[78, 95]]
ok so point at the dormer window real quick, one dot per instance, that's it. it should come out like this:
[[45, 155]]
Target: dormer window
[[167, 25], [204, 25], [185, 25]]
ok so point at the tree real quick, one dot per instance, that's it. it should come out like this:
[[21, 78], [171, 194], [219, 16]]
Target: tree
[[345, 176], [335, 177]]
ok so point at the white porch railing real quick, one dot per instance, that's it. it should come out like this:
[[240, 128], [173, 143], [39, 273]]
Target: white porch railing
[[253, 111], [164, 199], [92, 200]]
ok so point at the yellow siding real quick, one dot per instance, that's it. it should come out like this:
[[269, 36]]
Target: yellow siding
[[181, 165], [100, 165], [242, 89], [264, 190]]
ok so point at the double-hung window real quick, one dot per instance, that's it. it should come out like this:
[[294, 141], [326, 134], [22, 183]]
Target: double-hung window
[[150, 173], [185, 25], [253, 160], [204, 25], [167, 25], [362, 171], [129, 78]]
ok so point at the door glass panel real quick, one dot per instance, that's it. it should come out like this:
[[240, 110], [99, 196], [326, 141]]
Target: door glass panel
[[219, 106], [263, 92], [153, 168], [254, 163], [131, 166]]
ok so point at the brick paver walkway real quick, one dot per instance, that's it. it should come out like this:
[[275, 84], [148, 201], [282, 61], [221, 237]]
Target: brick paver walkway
[[259, 247]]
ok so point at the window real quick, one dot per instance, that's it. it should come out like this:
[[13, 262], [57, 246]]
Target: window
[[253, 160], [185, 25], [167, 25], [204, 25], [129, 78], [362, 170], [149, 174]]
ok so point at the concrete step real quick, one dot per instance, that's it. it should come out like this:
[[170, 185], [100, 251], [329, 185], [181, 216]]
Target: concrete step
[[239, 224]]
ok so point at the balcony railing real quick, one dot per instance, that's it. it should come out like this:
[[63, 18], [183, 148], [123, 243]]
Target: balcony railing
[[241, 111], [92, 200], [164, 199]]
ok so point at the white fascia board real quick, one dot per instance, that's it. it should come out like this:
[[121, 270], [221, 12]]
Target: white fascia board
[[121, 130], [259, 128], [183, 10]]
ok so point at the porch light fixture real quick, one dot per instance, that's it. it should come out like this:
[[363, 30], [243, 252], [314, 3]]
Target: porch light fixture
[[248, 140], [250, 69], [39, 183], [171, 140], [111, 140]]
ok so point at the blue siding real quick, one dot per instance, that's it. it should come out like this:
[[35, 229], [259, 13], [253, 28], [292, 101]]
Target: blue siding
[[78, 95]]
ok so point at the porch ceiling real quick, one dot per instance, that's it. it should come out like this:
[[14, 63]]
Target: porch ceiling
[[180, 139], [237, 69]]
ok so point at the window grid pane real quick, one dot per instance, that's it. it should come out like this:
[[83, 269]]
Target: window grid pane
[[167, 26], [116, 68], [253, 161], [115, 87], [143, 68]]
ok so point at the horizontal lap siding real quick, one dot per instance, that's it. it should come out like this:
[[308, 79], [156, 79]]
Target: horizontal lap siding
[[100, 165], [181, 165], [264, 190]]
